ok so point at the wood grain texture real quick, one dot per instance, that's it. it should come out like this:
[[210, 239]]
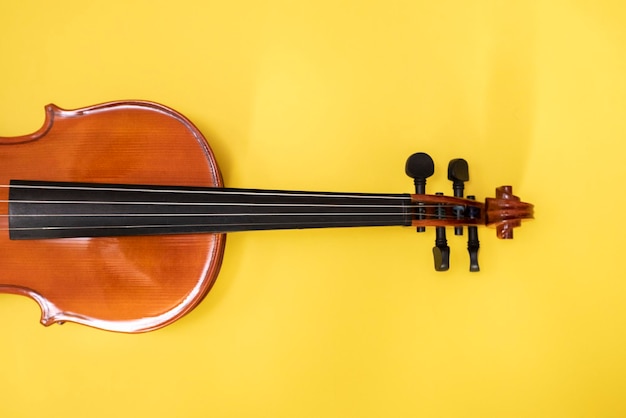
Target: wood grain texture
[[127, 284]]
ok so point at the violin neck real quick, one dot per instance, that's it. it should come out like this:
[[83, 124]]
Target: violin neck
[[45, 210]]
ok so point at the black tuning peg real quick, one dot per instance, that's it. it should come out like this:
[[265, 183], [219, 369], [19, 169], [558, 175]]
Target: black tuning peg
[[441, 250], [458, 174], [473, 244], [419, 167]]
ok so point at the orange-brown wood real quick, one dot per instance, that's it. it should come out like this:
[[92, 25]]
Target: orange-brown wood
[[128, 284], [506, 211]]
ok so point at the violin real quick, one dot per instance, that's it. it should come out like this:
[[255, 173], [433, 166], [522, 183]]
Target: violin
[[115, 216]]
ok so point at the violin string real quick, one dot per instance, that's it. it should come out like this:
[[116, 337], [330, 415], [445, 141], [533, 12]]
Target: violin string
[[196, 225], [347, 222], [250, 205], [199, 225], [413, 205], [211, 191], [208, 190], [217, 191], [201, 215]]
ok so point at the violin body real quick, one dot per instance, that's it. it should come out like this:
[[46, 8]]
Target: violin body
[[114, 216], [126, 284]]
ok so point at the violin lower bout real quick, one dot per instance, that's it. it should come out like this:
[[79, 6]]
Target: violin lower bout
[[125, 284]]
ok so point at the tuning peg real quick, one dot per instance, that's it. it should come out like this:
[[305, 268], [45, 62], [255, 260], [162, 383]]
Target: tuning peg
[[473, 244], [458, 174], [441, 250], [419, 167]]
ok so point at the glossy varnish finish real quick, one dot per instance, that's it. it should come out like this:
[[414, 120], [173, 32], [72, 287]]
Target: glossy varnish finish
[[128, 284]]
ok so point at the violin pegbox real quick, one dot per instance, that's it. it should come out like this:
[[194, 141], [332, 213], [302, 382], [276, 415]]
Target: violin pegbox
[[506, 211]]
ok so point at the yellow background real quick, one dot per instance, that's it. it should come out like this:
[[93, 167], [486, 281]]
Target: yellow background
[[334, 95]]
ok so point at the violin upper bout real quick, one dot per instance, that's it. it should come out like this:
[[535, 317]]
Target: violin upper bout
[[506, 211], [52, 112]]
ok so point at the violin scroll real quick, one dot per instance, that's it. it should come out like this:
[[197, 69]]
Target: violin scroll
[[506, 211]]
